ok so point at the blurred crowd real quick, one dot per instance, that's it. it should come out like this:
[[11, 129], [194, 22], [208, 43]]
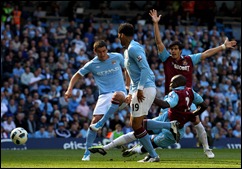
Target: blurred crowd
[[38, 60]]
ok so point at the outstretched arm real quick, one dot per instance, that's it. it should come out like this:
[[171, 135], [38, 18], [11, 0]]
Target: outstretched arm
[[200, 108], [210, 52], [161, 103], [156, 19]]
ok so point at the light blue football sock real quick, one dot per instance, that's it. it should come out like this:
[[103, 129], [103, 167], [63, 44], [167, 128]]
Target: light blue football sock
[[91, 136], [145, 141], [152, 125], [112, 109]]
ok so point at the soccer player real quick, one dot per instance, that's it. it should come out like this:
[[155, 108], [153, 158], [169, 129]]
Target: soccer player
[[179, 101], [175, 63], [142, 89], [107, 69]]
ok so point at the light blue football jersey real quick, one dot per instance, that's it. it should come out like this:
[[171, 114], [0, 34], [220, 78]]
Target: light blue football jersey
[[107, 74], [137, 66]]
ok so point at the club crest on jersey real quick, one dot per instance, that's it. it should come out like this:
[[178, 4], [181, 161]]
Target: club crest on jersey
[[139, 58], [114, 62], [184, 62]]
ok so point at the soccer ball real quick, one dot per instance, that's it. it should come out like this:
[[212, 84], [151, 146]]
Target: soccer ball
[[19, 136]]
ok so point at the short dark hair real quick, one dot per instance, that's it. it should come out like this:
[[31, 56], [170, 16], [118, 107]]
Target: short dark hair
[[99, 44], [127, 29], [179, 44]]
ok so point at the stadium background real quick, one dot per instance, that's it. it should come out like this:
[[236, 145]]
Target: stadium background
[[51, 40]]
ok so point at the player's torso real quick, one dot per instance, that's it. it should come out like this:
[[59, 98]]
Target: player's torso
[[173, 67], [181, 112], [107, 68], [186, 97], [108, 74], [130, 63]]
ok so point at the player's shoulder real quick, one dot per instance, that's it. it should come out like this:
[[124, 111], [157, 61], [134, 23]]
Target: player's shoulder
[[191, 91], [186, 56], [115, 54], [172, 94], [134, 45], [135, 49], [188, 88], [92, 61]]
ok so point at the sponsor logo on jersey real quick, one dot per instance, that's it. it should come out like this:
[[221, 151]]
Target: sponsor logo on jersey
[[107, 72], [179, 67]]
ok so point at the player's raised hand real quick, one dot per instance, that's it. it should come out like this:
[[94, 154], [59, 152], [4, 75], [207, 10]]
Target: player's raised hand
[[154, 16], [229, 44]]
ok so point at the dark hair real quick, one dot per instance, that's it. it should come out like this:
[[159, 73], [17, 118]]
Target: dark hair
[[127, 29], [179, 44], [99, 44]]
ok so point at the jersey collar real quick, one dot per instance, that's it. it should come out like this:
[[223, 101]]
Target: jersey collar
[[179, 88]]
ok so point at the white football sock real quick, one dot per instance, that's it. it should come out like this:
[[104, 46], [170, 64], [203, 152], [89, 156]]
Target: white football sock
[[202, 135], [124, 139]]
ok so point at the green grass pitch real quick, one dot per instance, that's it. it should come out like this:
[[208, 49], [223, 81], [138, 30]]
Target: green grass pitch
[[170, 158]]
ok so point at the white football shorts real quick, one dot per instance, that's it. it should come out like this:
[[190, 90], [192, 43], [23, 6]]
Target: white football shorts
[[141, 109], [104, 102]]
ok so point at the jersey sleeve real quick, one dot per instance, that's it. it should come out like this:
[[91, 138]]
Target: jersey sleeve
[[196, 58], [172, 99], [163, 55], [85, 69], [197, 98]]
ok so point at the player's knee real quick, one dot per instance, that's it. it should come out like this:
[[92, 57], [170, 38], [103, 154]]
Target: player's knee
[[158, 140], [96, 118], [118, 97], [139, 133]]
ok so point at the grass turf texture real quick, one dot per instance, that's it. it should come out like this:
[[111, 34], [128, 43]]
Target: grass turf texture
[[170, 158]]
